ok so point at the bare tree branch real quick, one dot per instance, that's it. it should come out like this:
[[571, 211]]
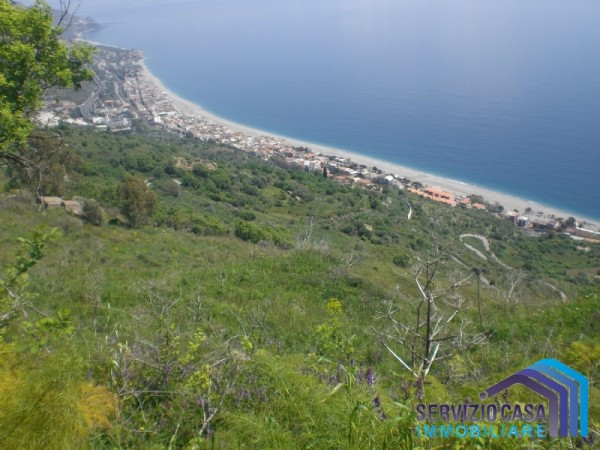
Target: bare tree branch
[[436, 329]]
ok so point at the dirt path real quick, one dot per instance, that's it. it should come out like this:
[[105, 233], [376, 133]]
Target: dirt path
[[486, 246], [409, 210]]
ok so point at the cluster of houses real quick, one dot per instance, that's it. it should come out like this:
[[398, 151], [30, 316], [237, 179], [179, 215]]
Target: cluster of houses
[[537, 224], [113, 115], [541, 224], [105, 116], [72, 206], [56, 112], [137, 95]]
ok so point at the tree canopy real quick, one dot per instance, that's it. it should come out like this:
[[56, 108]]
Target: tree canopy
[[137, 201], [33, 59]]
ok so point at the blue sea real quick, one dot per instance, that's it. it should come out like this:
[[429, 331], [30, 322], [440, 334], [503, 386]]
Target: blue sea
[[500, 93]]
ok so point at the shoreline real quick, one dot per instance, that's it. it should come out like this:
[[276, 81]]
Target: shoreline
[[510, 202]]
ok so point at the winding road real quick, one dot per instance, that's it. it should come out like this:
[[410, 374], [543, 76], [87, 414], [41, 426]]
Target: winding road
[[409, 210], [486, 246]]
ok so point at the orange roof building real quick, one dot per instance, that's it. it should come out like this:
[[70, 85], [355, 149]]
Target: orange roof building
[[437, 194]]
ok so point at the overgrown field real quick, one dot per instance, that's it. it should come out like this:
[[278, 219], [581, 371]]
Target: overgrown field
[[255, 306]]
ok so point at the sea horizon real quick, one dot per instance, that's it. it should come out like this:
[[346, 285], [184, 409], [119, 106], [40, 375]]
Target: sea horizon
[[572, 192]]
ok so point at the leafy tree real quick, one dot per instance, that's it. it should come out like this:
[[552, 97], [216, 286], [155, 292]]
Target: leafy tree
[[169, 187], [32, 60], [137, 201], [92, 212], [48, 161]]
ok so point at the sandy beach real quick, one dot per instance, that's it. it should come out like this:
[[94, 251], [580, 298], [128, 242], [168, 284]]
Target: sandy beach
[[509, 202]]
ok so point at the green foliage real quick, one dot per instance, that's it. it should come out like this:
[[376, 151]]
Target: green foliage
[[186, 219], [247, 216], [46, 403], [169, 187], [32, 59], [254, 233], [250, 232], [47, 330], [46, 162], [282, 408], [137, 201], [331, 338], [13, 294], [92, 212], [401, 260]]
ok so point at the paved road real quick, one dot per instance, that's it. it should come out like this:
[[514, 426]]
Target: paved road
[[86, 107]]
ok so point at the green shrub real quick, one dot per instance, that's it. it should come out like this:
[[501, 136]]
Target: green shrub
[[208, 225], [169, 187], [250, 232], [401, 260], [92, 212], [248, 216]]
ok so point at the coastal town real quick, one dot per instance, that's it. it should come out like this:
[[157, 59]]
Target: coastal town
[[125, 96]]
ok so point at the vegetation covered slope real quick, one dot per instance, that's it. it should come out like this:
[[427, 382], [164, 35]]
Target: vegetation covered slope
[[254, 305], [201, 298]]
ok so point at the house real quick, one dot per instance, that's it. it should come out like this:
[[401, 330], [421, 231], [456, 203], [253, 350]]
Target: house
[[583, 234], [73, 207], [343, 179], [362, 181], [439, 195], [512, 216], [119, 125], [436, 194], [542, 224], [538, 224], [349, 171], [50, 202], [523, 221]]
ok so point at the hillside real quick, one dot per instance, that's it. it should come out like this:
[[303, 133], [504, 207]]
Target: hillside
[[257, 304]]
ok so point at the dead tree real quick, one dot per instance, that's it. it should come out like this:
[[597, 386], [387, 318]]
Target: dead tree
[[514, 279], [432, 326]]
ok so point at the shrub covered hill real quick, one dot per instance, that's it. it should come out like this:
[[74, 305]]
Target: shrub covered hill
[[204, 298]]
